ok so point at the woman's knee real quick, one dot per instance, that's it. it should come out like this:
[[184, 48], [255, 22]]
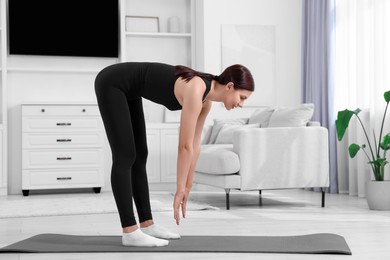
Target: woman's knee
[[125, 158], [142, 155]]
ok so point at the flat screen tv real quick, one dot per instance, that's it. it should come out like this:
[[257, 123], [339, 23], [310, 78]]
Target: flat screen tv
[[87, 28]]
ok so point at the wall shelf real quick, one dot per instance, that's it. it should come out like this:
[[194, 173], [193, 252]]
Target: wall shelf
[[13, 69], [171, 35]]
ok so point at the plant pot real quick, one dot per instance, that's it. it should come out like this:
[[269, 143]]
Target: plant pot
[[378, 195]]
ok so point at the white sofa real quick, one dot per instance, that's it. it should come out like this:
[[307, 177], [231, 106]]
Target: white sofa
[[273, 156]]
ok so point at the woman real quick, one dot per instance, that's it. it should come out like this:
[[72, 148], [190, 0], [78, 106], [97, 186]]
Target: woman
[[119, 90]]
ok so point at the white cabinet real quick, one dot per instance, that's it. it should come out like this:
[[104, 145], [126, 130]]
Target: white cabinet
[[146, 34], [154, 158], [62, 147], [169, 145], [162, 158]]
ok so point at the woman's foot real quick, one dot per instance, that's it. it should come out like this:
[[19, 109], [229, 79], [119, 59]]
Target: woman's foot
[[159, 232], [138, 238]]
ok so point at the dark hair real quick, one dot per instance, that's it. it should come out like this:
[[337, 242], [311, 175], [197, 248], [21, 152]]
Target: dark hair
[[238, 74]]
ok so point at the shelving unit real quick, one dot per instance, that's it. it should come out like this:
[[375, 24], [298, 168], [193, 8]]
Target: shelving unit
[[165, 47], [162, 46], [63, 77], [3, 99]]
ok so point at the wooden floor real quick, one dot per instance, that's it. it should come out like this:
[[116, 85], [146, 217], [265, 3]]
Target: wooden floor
[[282, 212]]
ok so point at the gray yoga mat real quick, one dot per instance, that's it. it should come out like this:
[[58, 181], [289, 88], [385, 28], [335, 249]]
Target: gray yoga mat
[[323, 243]]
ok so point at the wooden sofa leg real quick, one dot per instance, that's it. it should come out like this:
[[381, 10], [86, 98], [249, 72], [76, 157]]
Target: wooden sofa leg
[[323, 197], [227, 199]]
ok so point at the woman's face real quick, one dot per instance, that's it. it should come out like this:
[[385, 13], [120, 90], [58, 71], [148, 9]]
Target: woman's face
[[235, 97]]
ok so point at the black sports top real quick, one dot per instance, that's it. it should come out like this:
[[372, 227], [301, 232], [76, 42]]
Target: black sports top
[[153, 81]]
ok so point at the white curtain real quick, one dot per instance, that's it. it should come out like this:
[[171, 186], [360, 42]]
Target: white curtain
[[362, 76]]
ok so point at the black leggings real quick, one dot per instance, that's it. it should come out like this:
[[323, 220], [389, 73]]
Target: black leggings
[[124, 122]]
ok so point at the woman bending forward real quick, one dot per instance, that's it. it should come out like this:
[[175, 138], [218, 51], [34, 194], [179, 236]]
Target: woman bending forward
[[119, 90]]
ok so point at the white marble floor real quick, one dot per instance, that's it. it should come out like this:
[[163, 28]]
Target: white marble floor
[[281, 212]]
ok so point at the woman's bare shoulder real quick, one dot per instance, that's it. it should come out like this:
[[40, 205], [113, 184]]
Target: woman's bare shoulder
[[193, 89]]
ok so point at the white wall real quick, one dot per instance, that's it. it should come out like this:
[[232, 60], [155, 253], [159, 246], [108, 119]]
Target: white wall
[[285, 15]]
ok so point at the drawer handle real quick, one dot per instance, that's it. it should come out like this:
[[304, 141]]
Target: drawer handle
[[61, 124], [64, 158], [64, 178], [64, 140]]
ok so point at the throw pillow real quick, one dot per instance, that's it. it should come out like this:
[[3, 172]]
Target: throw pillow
[[225, 136], [292, 116], [261, 116], [218, 124]]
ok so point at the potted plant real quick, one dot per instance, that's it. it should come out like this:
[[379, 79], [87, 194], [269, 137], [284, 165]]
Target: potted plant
[[378, 191]]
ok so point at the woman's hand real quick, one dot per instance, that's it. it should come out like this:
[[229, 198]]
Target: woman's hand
[[180, 200]]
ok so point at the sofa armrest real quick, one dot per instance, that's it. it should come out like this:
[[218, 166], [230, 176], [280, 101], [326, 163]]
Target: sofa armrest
[[283, 157]]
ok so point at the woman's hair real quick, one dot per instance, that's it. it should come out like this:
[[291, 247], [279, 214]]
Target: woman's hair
[[238, 74]]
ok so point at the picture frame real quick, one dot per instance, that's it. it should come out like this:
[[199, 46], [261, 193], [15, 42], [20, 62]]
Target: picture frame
[[136, 23]]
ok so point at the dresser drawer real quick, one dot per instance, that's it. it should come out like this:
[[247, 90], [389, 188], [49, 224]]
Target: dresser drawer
[[31, 124], [64, 158], [49, 140], [60, 110], [62, 178]]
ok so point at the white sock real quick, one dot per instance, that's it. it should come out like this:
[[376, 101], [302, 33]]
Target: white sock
[[160, 232], [138, 238]]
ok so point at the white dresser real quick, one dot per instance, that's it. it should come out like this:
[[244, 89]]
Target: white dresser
[[62, 146]]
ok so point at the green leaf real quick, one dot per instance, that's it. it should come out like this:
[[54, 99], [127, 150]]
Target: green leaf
[[385, 144], [379, 162], [353, 150], [342, 121], [387, 96]]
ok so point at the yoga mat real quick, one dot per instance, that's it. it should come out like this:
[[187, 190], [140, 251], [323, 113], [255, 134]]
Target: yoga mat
[[323, 243]]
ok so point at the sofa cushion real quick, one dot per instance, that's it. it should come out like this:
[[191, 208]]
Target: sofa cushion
[[218, 124], [292, 116], [225, 135], [218, 159], [261, 116]]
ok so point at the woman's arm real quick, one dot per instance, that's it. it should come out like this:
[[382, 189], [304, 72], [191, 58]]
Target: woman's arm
[[191, 110], [192, 93], [197, 141]]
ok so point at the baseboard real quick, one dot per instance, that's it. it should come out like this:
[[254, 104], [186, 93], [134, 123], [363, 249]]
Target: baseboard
[[3, 191]]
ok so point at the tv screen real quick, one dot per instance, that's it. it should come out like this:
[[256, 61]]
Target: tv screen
[[87, 28]]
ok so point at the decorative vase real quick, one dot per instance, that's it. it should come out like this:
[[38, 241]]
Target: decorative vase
[[174, 24], [378, 195]]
